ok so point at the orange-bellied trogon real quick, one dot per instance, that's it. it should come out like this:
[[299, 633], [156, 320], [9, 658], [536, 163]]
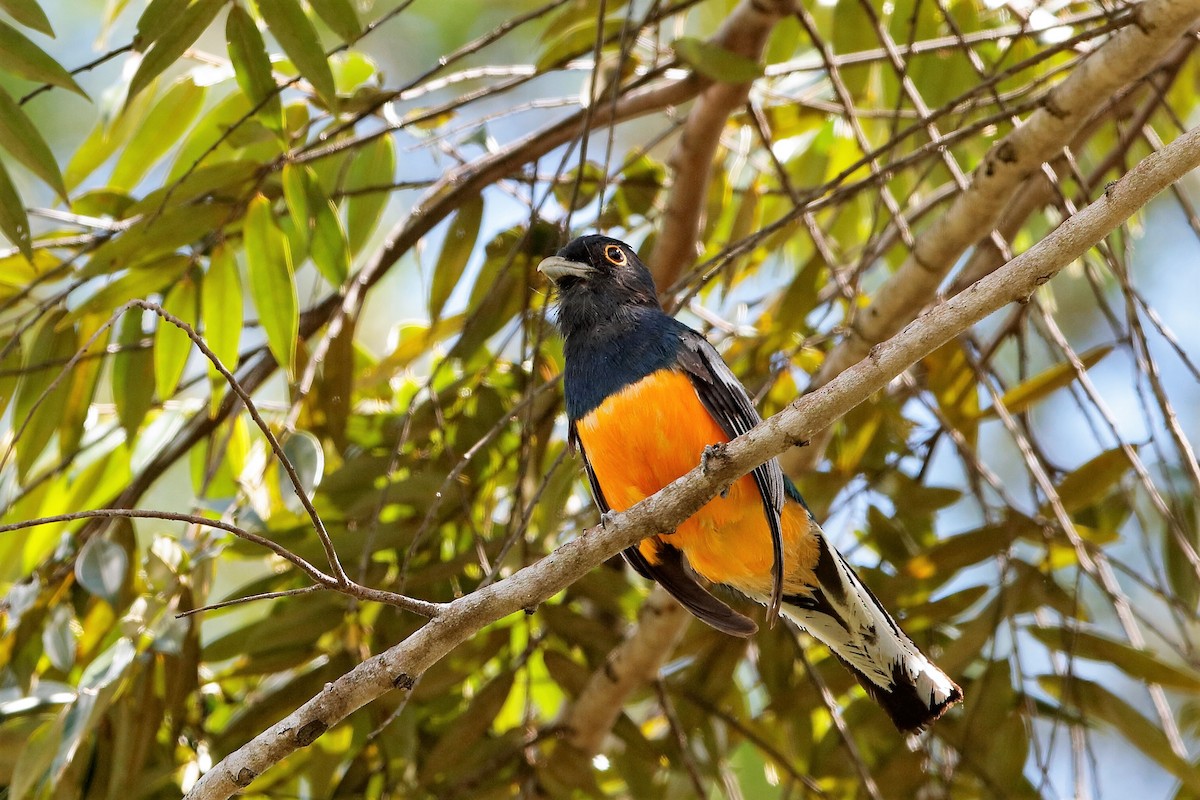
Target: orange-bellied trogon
[[645, 395]]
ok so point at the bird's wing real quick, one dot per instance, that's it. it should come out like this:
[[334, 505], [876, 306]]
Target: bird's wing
[[669, 569], [727, 401]]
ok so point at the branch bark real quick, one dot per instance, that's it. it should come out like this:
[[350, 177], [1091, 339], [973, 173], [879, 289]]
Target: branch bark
[[691, 160], [1126, 57], [397, 666]]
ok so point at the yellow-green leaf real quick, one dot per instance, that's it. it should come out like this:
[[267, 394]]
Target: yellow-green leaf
[[161, 131], [29, 14], [21, 56], [10, 372], [1099, 704], [252, 66], [373, 166], [577, 39], [221, 305], [272, 287], [136, 283], [155, 236], [1025, 394], [39, 415], [713, 61], [339, 15], [182, 31], [1141, 664], [298, 38], [1093, 480], [456, 250], [105, 138], [14, 222], [133, 373], [171, 345], [20, 138], [81, 384]]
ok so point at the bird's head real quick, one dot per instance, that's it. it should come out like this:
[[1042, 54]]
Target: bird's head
[[599, 280]]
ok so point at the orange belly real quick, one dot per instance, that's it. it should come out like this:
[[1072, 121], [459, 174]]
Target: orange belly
[[651, 432]]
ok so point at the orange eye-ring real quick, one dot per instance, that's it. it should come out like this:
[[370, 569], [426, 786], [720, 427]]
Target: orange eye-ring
[[615, 255]]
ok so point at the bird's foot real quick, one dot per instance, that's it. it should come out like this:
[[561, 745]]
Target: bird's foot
[[607, 517], [711, 453]]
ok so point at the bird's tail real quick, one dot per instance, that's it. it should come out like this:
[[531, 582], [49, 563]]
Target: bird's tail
[[844, 614]]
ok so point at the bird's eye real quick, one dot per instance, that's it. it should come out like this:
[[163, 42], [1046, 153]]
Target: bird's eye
[[615, 255]]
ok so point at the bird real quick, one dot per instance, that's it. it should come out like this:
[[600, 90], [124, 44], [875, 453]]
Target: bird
[[646, 396]]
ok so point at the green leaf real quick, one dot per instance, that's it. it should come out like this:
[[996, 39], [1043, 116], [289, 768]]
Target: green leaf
[[221, 305], [1089, 484], [373, 166], [1097, 703], [140, 283], [154, 236], [272, 287], [133, 373], [182, 31], [339, 15], [298, 38], [101, 568], [252, 66], [81, 383], [19, 137], [456, 251], [10, 372], [713, 61], [14, 221], [29, 14], [105, 138], [54, 347], [161, 131], [1025, 394], [1141, 664], [21, 56], [316, 223], [171, 344]]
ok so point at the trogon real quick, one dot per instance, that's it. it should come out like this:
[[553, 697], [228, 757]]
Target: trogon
[[645, 396]]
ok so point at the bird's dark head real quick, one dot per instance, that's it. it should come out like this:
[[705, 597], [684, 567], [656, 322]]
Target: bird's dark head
[[600, 281]]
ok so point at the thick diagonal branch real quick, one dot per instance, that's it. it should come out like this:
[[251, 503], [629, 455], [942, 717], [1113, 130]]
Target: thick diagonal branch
[[664, 511]]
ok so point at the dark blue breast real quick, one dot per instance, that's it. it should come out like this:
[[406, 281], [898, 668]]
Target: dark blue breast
[[604, 360]]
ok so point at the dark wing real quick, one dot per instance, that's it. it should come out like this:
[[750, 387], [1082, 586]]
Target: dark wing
[[669, 569], [726, 400]]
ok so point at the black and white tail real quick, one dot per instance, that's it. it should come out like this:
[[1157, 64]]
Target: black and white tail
[[844, 614]]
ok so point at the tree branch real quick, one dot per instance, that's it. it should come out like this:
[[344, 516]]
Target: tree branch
[[1129, 55], [662, 512]]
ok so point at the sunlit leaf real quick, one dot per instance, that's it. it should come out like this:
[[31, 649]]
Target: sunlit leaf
[[221, 307], [272, 285], [373, 167], [14, 221], [162, 130], [1140, 664], [296, 34], [1033, 390], [133, 373], [38, 406], [252, 66], [171, 344], [181, 31], [340, 16]]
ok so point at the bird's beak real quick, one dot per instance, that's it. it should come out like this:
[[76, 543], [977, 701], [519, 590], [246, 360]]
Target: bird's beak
[[556, 268]]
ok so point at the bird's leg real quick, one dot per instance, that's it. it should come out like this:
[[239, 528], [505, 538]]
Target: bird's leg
[[713, 451]]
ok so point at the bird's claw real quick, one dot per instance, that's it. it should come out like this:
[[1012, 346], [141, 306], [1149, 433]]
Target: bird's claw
[[607, 517], [711, 451]]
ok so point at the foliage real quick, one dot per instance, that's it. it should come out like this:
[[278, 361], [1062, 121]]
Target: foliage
[[344, 202]]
